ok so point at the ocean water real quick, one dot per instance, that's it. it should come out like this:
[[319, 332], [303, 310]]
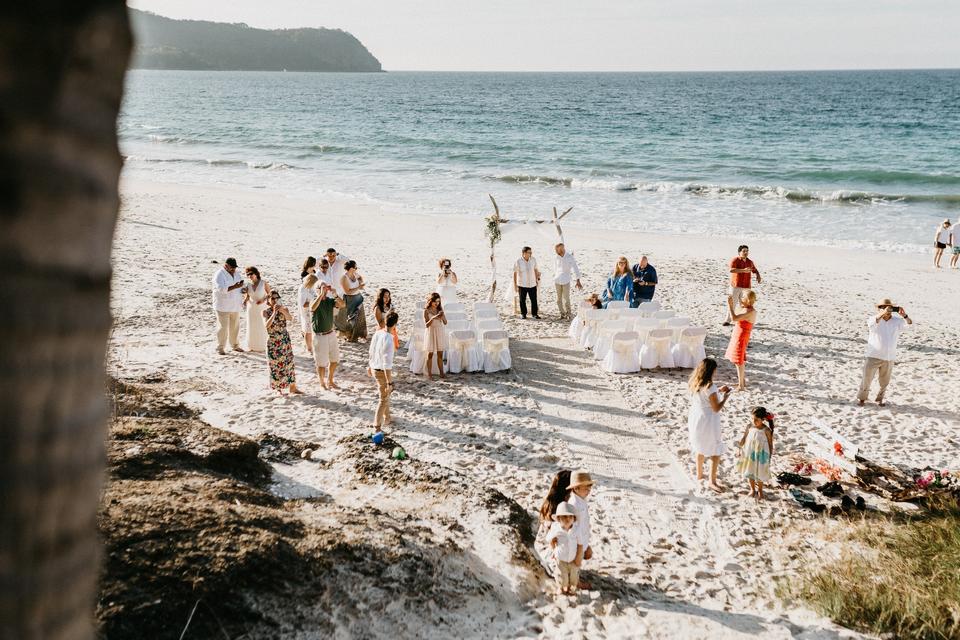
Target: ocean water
[[853, 158]]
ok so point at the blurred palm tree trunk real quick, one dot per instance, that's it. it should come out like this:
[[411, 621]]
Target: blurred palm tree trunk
[[61, 79]]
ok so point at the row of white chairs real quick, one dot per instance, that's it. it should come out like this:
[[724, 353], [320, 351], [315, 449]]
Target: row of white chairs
[[480, 345], [628, 353]]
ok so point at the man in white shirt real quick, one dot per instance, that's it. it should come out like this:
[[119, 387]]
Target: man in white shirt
[[227, 303], [883, 331], [324, 274], [566, 270], [526, 277], [955, 243], [336, 270], [382, 351]]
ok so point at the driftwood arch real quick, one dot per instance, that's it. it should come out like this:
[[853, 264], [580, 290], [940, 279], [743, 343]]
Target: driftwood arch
[[496, 220]]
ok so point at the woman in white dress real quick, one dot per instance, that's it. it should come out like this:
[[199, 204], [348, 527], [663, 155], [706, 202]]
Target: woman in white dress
[[706, 428], [305, 297], [255, 295], [447, 282]]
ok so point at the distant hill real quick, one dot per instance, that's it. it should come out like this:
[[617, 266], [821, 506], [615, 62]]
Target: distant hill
[[163, 43]]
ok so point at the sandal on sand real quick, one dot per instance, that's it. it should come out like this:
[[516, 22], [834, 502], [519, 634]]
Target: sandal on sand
[[832, 490], [807, 501], [787, 478]]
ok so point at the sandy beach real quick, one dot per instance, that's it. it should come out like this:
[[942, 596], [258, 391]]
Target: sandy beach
[[670, 559]]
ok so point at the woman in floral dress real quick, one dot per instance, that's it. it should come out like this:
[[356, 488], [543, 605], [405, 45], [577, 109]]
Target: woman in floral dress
[[279, 347]]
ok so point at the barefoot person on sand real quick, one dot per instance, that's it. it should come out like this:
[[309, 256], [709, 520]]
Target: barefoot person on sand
[[227, 304], [566, 270], [381, 369], [326, 348], [562, 538], [279, 347], [756, 449], [741, 269], [955, 243], [745, 315], [255, 296], [305, 296], [434, 335], [940, 241], [706, 428], [883, 331], [580, 486]]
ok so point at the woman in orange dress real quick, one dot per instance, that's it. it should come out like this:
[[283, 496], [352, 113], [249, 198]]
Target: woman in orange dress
[[744, 317]]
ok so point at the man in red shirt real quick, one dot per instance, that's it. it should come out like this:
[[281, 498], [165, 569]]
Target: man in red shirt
[[741, 268]]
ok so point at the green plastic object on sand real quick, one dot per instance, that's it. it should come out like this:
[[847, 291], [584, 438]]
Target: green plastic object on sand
[[399, 453]]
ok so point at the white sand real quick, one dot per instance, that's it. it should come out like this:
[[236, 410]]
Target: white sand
[[673, 561]]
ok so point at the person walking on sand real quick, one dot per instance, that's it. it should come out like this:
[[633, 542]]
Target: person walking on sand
[[279, 348], [580, 486], [255, 296], [756, 449], [940, 241], [381, 369], [434, 335], [745, 317], [644, 282], [955, 243], [741, 270], [447, 282], [563, 542], [619, 284], [305, 296], [566, 270], [883, 331], [326, 347], [704, 424], [227, 304], [526, 277]]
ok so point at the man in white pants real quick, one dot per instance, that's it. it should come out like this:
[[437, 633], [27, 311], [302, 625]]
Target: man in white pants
[[883, 331], [566, 270], [227, 303]]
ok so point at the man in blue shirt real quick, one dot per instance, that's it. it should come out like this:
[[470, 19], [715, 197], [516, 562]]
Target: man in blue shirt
[[644, 281]]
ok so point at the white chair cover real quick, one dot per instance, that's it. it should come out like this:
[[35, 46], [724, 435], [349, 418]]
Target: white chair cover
[[421, 305], [643, 326], [454, 307], [605, 336], [689, 351], [485, 313], [648, 308], [622, 356], [453, 316], [576, 325], [417, 330], [630, 313], [457, 325], [618, 304], [496, 351], [656, 350], [488, 325], [591, 327], [677, 325], [418, 359], [663, 316], [463, 352], [483, 305]]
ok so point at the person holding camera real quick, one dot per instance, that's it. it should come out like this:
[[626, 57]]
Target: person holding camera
[[382, 350], [227, 304], [279, 348], [883, 332], [447, 282]]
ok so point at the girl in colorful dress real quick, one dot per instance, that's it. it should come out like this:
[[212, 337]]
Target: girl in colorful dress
[[279, 348], [620, 284], [745, 316], [756, 448]]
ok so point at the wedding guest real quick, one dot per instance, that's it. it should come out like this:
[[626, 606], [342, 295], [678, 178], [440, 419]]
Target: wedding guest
[[305, 296], [447, 282], [526, 277], [279, 347], [566, 270], [644, 282], [337, 266], [351, 320], [381, 309], [756, 449], [326, 348], [745, 316], [940, 241], [580, 486], [595, 301], [227, 304], [741, 270], [620, 284], [558, 493], [324, 274], [704, 424], [562, 538], [883, 331], [380, 367], [955, 242], [434, 336], [255, 295], [309, 266]]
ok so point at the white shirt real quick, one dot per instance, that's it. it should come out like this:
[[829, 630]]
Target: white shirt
[[526, 271], [882, 339], [943, 234], [335, 271], [305, 297], [326, 278], [566, 549], [223, 300], [381, 350], [582, 525], [955, 230], [564, 267]]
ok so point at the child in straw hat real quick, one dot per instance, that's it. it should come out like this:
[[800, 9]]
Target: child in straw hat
[[562, 538], [580, 485]]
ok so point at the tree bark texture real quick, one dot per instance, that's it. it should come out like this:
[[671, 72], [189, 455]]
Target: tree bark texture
[[62, 69]]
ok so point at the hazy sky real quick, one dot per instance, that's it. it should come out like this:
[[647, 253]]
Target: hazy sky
[[616, 35]]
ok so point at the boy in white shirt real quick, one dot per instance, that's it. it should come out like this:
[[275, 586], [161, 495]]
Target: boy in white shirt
[[580, 485], [562, 538]]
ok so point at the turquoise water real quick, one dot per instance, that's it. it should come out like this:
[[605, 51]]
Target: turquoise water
[[864, 159]]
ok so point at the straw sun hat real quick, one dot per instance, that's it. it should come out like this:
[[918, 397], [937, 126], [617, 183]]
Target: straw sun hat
[[564, 509], [580, 479], [886, 302]]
